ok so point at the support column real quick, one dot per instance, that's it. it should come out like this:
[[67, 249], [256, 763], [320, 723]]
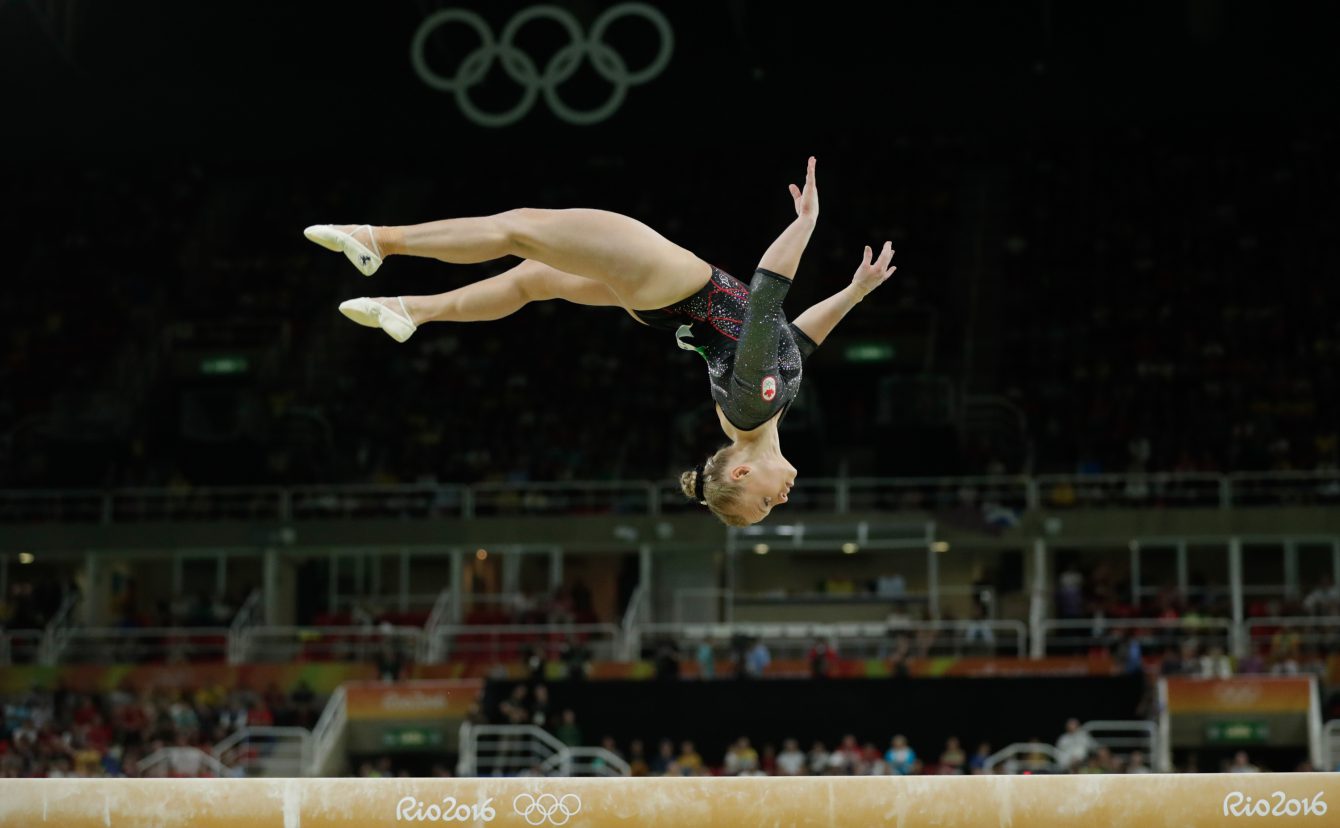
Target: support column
[[933, 582], [221, 574], [404, 580], [1135, 573], [270, 586], [178, 574], [333, 585], [1235, 592], [1291, 569], [511, 571], [95, 602], [1183, 571], [645, 563], [1037, 605], [457, 585], [555, 569]]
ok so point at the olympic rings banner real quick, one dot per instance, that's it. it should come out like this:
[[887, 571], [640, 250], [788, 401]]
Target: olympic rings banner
[[1240, 694], [1074, 801], [522, 69]]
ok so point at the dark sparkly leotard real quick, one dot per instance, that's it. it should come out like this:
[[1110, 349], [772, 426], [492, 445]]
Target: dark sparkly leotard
[[754, 355]]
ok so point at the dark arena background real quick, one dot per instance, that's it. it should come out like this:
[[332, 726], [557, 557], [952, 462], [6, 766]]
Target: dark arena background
[[1066, 496]]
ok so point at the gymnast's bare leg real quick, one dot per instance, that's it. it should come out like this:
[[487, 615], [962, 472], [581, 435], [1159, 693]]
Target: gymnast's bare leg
[[642, 267]]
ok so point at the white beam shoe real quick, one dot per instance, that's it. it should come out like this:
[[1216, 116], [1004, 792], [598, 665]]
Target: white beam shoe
[[366, 257], [373, 314]]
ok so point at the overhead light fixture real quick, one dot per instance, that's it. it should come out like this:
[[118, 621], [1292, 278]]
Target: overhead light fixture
[[26, 557], [481, 554], [849, 548], [760, 549], [940, 546]]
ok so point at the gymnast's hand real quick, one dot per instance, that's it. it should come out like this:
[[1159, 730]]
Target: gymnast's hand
[[871, 275], [807, 200]]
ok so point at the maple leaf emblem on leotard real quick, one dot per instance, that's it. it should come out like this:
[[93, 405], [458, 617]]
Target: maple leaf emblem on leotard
[[769, 388]]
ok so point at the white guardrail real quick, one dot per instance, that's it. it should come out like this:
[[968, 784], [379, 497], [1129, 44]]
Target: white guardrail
[[643, 497], [850, 640], [615, 642], [513, 750]]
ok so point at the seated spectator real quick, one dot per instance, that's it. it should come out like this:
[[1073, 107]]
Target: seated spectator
[[791, 762], [952, 758], [817, 759], [567, 731], [1074, 745], [1136, 763], [610, 745], [821, 659], [872, 761], [707, 660], [1100, 761], [664, 761], [688, 761], [637, 759], [1241, 764], [900, 757], [977, 764], [740, 758], [757, 659], [847, 759]]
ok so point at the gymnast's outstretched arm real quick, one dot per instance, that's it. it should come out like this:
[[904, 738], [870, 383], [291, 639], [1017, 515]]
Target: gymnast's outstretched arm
[[819, 320]]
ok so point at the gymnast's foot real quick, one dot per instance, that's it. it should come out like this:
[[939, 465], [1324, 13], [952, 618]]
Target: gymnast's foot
[[356, 241], [389, 314]]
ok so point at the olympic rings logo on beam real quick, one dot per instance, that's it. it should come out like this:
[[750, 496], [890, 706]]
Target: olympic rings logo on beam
[[608, 63], [548, 808]]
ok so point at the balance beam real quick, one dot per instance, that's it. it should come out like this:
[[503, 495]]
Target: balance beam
[[1080, 801]]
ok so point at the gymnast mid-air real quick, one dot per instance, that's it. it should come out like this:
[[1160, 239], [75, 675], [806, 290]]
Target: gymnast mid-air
[[593, 257]]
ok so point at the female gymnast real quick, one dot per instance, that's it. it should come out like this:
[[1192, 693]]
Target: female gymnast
[[593, 257]]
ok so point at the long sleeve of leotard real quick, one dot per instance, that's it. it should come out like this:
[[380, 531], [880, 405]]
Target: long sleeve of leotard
[[751, 401]]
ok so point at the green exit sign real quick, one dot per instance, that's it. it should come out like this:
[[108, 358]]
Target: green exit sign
[[411, 737], [1237, 733], [224, 366], [869, 352]]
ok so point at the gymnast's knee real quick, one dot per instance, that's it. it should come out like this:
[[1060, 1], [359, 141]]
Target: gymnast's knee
[[521, 228]]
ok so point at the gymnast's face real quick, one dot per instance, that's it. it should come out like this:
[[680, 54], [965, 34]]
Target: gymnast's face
[[766, 483]]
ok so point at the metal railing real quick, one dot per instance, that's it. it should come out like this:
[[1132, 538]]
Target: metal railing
[[137, 645], [439, 615], [631, 639], [1125, 737], [643, 497], [1039, 757], [183, 761], [248, 617], [514, 750], [328, 732], [351, 643], [1072, 637], [55, 636], [849, 640], [585, 761], [267, 751], [481, 642], [636, 615]]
